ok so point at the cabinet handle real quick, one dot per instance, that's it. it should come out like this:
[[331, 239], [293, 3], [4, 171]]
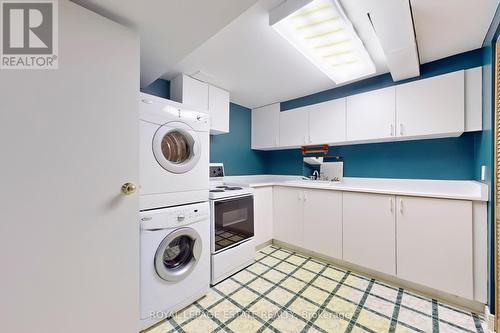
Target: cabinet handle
[[305, 139], [391, 205], [310, 138], [392, 130], [299, 196], [401, 129], [401, 206], [305, 196]]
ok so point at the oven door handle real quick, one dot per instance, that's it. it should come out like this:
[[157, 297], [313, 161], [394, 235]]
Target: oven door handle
[[234, 198]]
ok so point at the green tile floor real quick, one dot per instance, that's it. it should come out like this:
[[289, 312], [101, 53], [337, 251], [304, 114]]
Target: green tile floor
[[284, 291]]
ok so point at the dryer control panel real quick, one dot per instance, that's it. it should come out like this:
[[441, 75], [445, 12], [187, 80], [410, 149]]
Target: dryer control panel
[[174, 217]]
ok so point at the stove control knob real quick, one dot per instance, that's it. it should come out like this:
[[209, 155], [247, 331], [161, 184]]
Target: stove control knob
[[181, 217]]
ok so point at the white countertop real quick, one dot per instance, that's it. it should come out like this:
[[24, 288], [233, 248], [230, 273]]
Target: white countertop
[[451, 189]]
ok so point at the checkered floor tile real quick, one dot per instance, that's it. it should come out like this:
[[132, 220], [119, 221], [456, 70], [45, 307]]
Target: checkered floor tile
[[287, 292]]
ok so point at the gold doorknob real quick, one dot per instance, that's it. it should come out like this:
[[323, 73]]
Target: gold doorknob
[[128, 188]]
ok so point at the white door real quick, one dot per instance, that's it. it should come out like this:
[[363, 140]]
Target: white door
[[371, 115], [327, 122], [323, 222], [434, 238], [263, 214], [369, 231], [288, 215], [294, 128], [218, 106], [431, 106], [69, 239], [265, 126]]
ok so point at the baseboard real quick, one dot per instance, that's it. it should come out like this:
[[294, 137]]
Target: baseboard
[[263, 245], [490, 319], [459, 302]]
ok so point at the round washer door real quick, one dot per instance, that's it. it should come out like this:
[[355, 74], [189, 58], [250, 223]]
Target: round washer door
[[176, 147], [178, 254]]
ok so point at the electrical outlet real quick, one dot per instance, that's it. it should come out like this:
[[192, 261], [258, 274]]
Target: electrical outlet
[[483, 173]]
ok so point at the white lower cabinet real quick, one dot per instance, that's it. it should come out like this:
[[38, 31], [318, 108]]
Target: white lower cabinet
[[426, 241], [263, 214], [311, 219], [288, 215], [323, 222], [369, 235], [434, 243]]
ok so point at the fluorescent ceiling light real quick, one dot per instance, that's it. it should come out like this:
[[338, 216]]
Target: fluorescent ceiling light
[[321, 31]]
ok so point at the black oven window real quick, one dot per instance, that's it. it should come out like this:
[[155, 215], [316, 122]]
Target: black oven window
[[233, 221]]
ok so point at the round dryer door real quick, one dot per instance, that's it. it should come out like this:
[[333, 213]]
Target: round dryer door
[[176, 147], [178, 254]]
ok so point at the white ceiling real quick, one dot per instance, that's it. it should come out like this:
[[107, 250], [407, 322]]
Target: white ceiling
[[169, 30], [448, 27], [259, 67]]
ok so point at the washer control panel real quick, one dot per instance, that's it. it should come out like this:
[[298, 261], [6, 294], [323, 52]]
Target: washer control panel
[[173, 217]]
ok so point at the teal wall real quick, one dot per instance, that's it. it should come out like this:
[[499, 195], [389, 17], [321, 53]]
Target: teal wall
[[233, 149], [451, 158], [160, 88]]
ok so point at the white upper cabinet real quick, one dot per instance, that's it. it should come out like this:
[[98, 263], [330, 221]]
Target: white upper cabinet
[[189, 91], [265, 126], [433, 106], [218, 106], [437, 107], [294, 128], [474, 99], [371, 115], [203, 97], [327, 122], [435, 244]]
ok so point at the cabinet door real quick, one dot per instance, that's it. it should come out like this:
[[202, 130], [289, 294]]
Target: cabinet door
[[218, 107], [431, 106], [371, 115], [263, 214], [327, 122], [369, 231], [194, 93], [434, 238], [288, 215], [323, 222], [265, 126], [294, 128]]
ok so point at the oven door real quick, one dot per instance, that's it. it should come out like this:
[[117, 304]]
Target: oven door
[[233, 222]]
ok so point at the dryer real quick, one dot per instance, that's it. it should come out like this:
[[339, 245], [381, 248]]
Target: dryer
[[174, 154]]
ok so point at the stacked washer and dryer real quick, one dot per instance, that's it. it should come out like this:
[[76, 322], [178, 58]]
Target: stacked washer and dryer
[[175, 213]]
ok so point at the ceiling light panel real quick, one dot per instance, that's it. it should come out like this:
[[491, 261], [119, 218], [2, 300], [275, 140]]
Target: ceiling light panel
[[321, 31]]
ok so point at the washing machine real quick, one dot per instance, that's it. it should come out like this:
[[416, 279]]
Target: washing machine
[[174, 153], [175, 259]]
